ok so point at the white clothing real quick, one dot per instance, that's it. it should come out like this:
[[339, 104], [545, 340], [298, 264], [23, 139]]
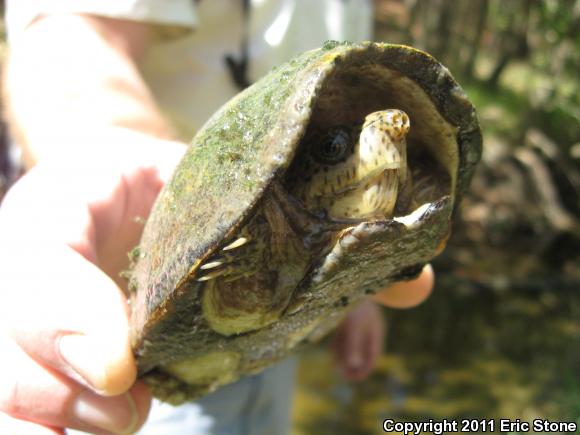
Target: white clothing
[[187, 72]]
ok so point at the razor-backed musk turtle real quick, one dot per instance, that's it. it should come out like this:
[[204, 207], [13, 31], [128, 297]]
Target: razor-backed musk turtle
[[330, 178]]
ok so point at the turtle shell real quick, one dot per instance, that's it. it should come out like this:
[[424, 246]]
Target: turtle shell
[[237, 163]]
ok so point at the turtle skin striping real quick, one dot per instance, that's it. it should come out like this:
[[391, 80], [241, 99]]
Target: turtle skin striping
[[360, 182]]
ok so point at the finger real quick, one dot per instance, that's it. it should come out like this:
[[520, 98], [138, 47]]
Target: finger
[[353, 355], [14, 426], [349, 343], [151, 164], [372, 328], [375, 342], [70, 316], [96, 206], [41, 395], [408, 294]]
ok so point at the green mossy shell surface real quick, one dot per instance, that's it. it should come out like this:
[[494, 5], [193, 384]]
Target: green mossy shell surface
[[226, 172]]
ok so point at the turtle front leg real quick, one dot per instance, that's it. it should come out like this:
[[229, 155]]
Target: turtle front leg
[[250, 281], [239, 284]]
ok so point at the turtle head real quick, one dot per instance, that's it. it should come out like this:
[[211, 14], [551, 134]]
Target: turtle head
[[353, 172]]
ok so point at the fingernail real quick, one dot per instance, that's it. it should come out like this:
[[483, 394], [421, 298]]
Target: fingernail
[[116, 414], [83, 357], [354, 360]]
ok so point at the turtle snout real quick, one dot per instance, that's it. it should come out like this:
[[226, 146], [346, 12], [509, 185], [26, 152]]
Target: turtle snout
[[394, 122], [399, 124]]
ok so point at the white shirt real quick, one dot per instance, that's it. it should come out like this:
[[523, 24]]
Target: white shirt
[[191, 90], [187, 72]]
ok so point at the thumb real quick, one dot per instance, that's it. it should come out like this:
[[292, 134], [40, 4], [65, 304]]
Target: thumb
[[70, 316]]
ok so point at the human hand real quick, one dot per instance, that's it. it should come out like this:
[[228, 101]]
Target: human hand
[[359, 340], [64, 236]]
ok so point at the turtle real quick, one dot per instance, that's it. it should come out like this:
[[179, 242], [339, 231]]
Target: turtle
[[328, 179]]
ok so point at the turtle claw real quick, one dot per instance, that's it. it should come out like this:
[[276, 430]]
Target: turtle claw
[[236, 244], [213, 274], [229, 266], [212, 264], [224, 265]]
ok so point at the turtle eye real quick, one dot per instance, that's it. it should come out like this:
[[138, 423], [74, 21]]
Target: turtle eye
[[333, 147]]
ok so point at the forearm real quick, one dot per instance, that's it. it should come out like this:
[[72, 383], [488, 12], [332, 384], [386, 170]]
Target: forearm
[[71, 79]]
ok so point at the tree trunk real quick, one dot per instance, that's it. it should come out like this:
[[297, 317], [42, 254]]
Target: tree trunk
[[468, 69], [514, 41]]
